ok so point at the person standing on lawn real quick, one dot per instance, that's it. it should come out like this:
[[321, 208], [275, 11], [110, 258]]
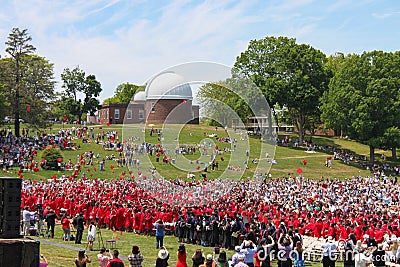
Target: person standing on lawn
[[160, 233]]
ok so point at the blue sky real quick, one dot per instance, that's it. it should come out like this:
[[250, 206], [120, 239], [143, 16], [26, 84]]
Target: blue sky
[[131, 40]]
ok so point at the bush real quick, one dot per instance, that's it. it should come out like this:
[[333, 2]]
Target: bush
[[51, 156]]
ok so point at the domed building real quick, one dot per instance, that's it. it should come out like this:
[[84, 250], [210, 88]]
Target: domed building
[[166, 99], [169, 100]]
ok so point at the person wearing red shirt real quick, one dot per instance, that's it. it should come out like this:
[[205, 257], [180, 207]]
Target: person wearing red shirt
[[65, 225], [318, 228], [379, 233], [115, 261]]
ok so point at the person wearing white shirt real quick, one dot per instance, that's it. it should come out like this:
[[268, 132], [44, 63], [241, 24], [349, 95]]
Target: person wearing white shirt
[[26, 219], [329, 249], [91, 235], [361, 260]]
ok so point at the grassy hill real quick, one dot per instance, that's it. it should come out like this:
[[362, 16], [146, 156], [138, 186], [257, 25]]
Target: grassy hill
[[289, 159]]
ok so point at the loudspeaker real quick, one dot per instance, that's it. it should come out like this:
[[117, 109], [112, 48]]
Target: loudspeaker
[[10, 184], [10, 214], [19, 252]]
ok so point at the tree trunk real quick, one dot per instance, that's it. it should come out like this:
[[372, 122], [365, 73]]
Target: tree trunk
[[16, 113], [276, 118], [17, 101], [16, 124], [371, 154], [300, 123], [394, 156]]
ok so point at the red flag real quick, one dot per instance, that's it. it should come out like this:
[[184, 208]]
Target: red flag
[[28, 108], [299, 170]]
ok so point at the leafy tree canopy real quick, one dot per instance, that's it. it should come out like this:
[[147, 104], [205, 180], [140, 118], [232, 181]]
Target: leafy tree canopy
[[363, 97], [76, 83], [27, 80], [290, 74], [124, 93]]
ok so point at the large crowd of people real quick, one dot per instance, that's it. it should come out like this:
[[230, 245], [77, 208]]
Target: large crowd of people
[[253, 208], [218, 213]]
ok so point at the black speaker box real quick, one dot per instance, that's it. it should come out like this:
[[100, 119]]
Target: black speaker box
[[9, 184], [10, 229], [19, 253], [10, 212], [11, 199]]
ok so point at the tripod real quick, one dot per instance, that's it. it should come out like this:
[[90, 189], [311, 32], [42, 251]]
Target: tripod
[[100, 238]]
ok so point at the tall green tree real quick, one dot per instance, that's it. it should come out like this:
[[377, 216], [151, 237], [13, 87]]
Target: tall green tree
[[18, 47], [364, 94], [28, 82], [76, 83], [333, 111], [290, 74], [38, 92], [124, 93], [238, 94]]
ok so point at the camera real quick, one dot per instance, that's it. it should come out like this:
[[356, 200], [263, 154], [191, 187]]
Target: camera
[[107, 250]]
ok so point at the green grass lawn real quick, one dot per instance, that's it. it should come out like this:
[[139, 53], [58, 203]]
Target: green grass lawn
[[59, 256]]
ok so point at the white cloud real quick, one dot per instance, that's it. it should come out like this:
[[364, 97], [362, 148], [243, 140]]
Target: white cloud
[[136, 51], [385, 15], [300, 32]]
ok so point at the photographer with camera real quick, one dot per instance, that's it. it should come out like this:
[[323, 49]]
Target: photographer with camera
[[248, 249], [102, 258], [82, 259], [44, 262], [26, 218], [285, 247]]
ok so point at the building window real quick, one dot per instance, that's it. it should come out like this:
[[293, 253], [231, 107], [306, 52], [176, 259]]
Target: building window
[[105, 114], [129, 114], [141, 114], [116, 114], [153, 107]]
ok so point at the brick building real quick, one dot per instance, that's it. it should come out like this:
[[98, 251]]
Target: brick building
[[111, 113], [166, 99]]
